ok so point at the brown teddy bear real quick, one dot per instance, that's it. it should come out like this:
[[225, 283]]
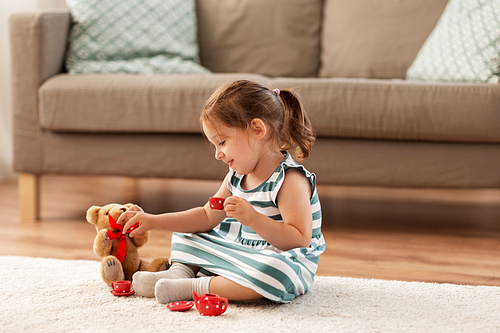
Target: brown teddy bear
[[120, 258]]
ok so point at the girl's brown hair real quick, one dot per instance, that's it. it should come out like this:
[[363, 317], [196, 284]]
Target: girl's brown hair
[[237, 103]]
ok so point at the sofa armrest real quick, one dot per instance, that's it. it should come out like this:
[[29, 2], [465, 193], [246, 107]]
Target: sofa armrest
[[40, 40], [38, 45]]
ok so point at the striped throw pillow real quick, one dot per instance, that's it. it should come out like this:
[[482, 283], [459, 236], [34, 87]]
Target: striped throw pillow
[[133, 36], [464, 45]]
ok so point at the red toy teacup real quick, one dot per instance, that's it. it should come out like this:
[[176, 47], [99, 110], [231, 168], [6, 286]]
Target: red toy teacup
[[210, 304], [216, 203], [121, 287]]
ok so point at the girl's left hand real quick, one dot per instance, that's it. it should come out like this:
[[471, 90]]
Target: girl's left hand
[[239, 209]]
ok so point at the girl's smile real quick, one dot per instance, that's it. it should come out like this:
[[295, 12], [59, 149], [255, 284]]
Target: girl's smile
[[233, 147], [244, 151]]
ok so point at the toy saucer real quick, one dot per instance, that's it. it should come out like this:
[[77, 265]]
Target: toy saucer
[[128, 293], [180, 306]]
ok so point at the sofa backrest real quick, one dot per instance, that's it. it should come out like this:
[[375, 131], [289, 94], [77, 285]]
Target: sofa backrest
[[308, 38], [375, 38], [274, 38]]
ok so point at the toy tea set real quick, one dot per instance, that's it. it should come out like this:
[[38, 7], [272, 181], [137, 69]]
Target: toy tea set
[[122, 288], [207, 304]]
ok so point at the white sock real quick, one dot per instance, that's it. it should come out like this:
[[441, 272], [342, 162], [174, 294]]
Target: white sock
[[167, 290], [144, 282]]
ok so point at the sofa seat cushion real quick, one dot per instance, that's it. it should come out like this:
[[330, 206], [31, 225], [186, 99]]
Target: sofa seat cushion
[[128, 102], [400, 110]]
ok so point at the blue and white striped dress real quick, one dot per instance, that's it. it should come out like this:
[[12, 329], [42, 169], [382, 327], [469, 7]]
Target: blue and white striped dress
[[238, 253]]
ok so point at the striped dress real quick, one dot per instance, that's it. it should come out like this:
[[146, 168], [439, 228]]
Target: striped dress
[[238, 253]]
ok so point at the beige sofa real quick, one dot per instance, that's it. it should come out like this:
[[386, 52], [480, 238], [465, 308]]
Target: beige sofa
[[348, 60]]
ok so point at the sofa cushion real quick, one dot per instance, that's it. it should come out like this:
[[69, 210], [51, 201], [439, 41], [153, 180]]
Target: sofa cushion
[[375, 39], [274, 38], [399, 109], [128, 102], [464, 46], [133, 36]]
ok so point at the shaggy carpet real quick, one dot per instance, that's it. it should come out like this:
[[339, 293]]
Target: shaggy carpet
[[52, 295]]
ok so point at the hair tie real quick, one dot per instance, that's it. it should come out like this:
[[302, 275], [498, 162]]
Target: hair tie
[[277, 92]]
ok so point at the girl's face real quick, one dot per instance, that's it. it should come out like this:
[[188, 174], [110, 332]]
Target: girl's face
[[237, 148]]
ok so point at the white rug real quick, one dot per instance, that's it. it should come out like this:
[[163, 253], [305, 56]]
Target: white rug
[[51, 295]]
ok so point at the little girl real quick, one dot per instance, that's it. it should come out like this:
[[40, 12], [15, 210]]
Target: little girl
[[267, 240]]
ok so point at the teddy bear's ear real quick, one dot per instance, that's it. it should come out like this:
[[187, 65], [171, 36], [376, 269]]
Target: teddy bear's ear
[[92, 214], [129, 205]]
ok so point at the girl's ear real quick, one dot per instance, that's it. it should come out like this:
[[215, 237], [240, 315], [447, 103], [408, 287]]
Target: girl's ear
[[258, 128]]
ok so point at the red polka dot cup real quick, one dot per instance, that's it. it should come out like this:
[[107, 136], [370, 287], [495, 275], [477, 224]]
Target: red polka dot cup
[[216, 203], [121, 286], [210, 304]]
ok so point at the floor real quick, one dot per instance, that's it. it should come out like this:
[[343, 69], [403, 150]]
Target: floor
[[444, 236]]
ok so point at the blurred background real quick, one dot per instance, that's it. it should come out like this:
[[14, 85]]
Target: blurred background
[[7, 7]]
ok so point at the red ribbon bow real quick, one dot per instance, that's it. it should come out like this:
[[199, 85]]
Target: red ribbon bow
[[122, 245]]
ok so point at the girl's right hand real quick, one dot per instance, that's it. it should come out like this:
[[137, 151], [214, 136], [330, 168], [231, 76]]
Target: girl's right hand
[[136, 214]]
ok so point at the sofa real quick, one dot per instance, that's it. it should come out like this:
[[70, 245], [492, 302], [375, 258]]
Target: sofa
[[347, 59]]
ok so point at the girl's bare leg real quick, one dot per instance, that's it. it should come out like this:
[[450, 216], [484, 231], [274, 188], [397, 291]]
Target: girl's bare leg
[[231, 290], [226, 288]]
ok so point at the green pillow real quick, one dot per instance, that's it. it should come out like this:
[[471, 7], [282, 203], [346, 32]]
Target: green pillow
[[133, 36], [464, 45]]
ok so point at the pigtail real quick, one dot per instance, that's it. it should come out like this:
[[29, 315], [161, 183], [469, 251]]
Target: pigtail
[[297, 130]]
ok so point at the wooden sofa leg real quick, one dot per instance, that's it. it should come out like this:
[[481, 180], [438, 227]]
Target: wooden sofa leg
[[29, 196]]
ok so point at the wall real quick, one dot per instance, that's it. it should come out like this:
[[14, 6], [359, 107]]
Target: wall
[[7, 7]]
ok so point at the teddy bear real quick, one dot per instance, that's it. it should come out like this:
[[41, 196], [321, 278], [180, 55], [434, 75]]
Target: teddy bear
[[119, 252]]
